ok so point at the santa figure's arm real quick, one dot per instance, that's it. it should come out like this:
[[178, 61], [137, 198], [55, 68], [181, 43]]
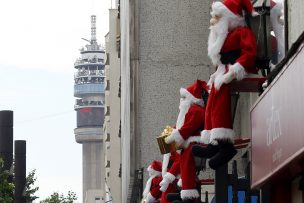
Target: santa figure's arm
[[171, 174], [247, 56], [193, 122], [155, 192]]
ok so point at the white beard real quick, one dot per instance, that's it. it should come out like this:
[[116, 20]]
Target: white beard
[[183, 110], [217, 37]]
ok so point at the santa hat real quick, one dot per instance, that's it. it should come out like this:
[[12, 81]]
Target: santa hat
[[233, 8], [194, 92], [156, 170], [155, 167]]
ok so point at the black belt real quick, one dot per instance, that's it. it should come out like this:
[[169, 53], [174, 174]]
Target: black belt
[[230, 57]]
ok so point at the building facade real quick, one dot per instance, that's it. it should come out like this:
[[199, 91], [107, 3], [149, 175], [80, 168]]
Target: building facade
[[277, 117], [162, 47], [89, 91], [112, 129]]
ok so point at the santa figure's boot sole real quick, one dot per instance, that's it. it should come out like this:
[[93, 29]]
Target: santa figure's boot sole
[[225, 154], [205, 152]]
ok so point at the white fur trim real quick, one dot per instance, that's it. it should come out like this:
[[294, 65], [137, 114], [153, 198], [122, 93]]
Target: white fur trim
[[254, 14], [191, 139], [164, 184], [205, 136], [188, 95], [148, 186], [221, 134], [238, 70], [150, 198], [153, 172], [218, 8], [219, 76], [177, 137], [170, 177], [179, 182], [166, 158], [189, 194]]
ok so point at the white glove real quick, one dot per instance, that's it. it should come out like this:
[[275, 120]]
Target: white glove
[[167, 179], [228, 77], [164, 184], [211, 80], [150, 198], [219, 80], [169, 139]]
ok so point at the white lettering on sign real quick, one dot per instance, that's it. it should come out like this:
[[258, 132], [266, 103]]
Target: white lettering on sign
[[274, 126], [277, 155]]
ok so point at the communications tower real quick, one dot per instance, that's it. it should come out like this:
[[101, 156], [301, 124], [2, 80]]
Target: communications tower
[[89, 106]]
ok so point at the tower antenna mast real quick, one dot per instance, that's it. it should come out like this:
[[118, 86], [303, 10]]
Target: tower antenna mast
[[93, 29]]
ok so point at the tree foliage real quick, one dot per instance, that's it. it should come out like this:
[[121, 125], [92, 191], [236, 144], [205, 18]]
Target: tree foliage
[[30, 188], [6, 187], [60, 198]]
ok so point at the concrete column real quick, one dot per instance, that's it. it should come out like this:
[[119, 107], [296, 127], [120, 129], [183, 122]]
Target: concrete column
[[20, 170], [6, 138]]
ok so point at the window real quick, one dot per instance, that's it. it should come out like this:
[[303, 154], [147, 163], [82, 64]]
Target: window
[[107, 59], [108, 85]]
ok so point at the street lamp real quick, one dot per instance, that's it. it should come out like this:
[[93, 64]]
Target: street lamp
[[260, 25]]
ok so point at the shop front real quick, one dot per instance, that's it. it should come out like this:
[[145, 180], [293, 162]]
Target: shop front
[[277, 121]]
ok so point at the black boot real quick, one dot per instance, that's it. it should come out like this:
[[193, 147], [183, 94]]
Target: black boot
[[173, 197], [205, 152], [225, 154]]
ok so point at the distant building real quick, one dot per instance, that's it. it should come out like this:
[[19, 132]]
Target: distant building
[[89, 90]]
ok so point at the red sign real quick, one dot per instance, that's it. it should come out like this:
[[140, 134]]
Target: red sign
[[277, 120]]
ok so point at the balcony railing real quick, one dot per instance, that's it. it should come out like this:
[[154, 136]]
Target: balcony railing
[[89, 80], [89, 62], [80, 103], [86, 73]]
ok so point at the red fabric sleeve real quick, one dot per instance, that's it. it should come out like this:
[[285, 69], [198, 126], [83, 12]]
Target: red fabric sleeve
[[194, 121], [154, 190], [175, 168], [248, 49]]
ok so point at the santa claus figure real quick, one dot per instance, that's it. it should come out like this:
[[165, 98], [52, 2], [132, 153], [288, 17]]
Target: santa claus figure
[[151, 192], [232, 50], [170, 173], [189, 123]]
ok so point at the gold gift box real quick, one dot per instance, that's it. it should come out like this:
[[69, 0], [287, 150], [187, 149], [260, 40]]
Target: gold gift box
[[163, 146]]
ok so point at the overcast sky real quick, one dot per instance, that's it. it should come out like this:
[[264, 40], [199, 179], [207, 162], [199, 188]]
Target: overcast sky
[[39, 43]]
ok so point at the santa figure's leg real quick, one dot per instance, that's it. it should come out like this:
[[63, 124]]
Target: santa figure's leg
[[210, 150], [171, 189], [188, 175], [222, 132]]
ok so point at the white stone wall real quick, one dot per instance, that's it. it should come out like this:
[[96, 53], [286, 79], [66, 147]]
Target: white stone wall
[[172, 54], [295, 20], [113, 152]]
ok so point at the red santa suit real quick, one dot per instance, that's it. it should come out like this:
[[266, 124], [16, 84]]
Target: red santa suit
[[151, 192], [170, 173], [189, 124], [232, 49]]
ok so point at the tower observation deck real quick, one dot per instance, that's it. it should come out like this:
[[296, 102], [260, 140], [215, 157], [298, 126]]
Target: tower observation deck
[[89, 107]]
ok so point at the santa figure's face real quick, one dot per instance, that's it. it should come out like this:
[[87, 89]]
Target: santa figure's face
[[214, 19], [220, 25]]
